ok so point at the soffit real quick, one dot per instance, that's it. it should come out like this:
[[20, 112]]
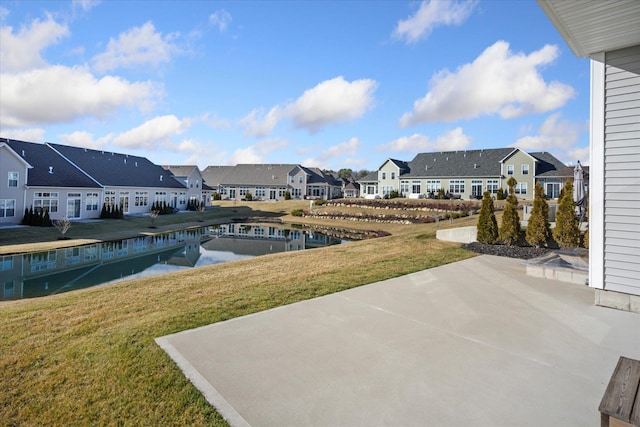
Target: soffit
[[590, 27]]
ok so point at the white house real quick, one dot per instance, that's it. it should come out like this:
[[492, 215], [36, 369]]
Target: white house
[[608, 32]]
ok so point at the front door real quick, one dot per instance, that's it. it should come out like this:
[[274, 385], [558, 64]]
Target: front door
[[124, 201], [73, 208], [272, 194], [232, 193]]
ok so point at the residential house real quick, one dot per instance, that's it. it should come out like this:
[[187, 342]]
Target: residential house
[[271, 182], [76, 182], [191, 178], [612, 41], [466, 174]]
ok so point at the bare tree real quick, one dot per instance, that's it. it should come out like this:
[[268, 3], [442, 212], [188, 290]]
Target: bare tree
[[153, 215], [63, 225]]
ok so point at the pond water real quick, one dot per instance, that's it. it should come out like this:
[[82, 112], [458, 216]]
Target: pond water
[[63, 270]]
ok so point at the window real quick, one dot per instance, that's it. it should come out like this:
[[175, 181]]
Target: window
[[293, 179], [521, 188], [404, 187], [244, 191], [161, 196], [300, 179], [492, 186], [456, 186], [416, 188], [110, 198], [182, 198], [261, 192], [7, 208], [393, 175], [525, 169], [141, 198], [91, 201], [384, 175], [433, 185], [509, 169], [13, 179], [45, 201]]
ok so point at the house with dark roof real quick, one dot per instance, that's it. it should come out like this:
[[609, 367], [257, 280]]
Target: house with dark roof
[[271, 182], [191, 178], [76, 182], [467, 174]]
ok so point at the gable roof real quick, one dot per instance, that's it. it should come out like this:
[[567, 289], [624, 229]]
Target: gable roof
[[14, 154], [458, 163], [118, 170], [49, 169], [317, 176], [549, 166], [370, 177], [180, 170], [400, 164], [251, 174]]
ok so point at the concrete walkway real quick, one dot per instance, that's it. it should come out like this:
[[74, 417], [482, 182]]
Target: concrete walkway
[[477, 342]]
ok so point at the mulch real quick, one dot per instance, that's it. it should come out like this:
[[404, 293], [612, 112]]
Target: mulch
[[521, 252]]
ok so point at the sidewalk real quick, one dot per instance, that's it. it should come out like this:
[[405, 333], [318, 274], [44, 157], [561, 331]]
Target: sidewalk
[[476, 342]]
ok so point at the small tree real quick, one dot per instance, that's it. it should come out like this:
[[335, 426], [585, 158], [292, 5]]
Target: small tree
[[510, 228], [500, 194], [26, 219], [63, 225], [153, 215], [567, 231], [487, 224], [287, 195], [248, 197], [538, 228]]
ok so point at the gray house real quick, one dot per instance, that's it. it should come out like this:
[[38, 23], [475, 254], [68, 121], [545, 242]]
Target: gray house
[[76, 182], [468, 174], [612, 41], [271, 182]]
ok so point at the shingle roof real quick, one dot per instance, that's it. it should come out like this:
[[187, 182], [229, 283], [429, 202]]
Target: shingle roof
[[549, 166], [401, 164], [114, 169], [179, 171], [317, 176], [49, 168], [248, 174], [458, 163], [371, 177]]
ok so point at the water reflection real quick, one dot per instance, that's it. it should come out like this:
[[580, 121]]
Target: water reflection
[[51, 272]]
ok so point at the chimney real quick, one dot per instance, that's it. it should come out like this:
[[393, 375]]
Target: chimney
[[51, 170]]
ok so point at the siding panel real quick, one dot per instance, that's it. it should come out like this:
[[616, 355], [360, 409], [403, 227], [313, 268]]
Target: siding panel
[[622, 171]]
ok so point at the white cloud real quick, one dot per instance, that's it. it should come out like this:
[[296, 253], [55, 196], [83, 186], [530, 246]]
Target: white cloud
[[257, 153], [140, 46], [257, 124], [156, 131], [432, 14], [331, 101], [559, 136], [341, 151], [84, 5], [497, 82], [61, 94], [84, 139], [31, 135], [221, 19], [451, 141], [21, 51]]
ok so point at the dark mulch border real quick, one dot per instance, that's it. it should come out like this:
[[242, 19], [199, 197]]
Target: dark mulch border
[[521, 252]]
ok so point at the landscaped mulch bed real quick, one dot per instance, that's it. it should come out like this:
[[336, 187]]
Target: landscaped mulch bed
[[521, 252]]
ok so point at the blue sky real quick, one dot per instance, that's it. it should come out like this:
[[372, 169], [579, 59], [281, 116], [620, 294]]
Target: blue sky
[[332, 84]]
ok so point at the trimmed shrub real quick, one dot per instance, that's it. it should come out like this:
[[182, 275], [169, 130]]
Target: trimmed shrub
[[320, 202], [297, 212], [487, 224], [248, 197], [287, 195], [510, 231], [216, 196], [500, 194], [567, 231], [538, 228]]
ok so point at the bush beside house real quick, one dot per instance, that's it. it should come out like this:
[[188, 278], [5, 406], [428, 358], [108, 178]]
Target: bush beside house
[[487, 224], [510, 232], [567, 230], [538, 229]]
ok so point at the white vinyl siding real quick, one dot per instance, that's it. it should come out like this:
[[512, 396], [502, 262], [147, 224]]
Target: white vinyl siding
[[622, 171]]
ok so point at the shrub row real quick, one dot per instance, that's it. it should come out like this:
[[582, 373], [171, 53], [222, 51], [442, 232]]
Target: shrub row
[[38, 219]]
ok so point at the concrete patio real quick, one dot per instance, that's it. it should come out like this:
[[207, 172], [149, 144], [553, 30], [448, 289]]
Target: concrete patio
[[478, 342]]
